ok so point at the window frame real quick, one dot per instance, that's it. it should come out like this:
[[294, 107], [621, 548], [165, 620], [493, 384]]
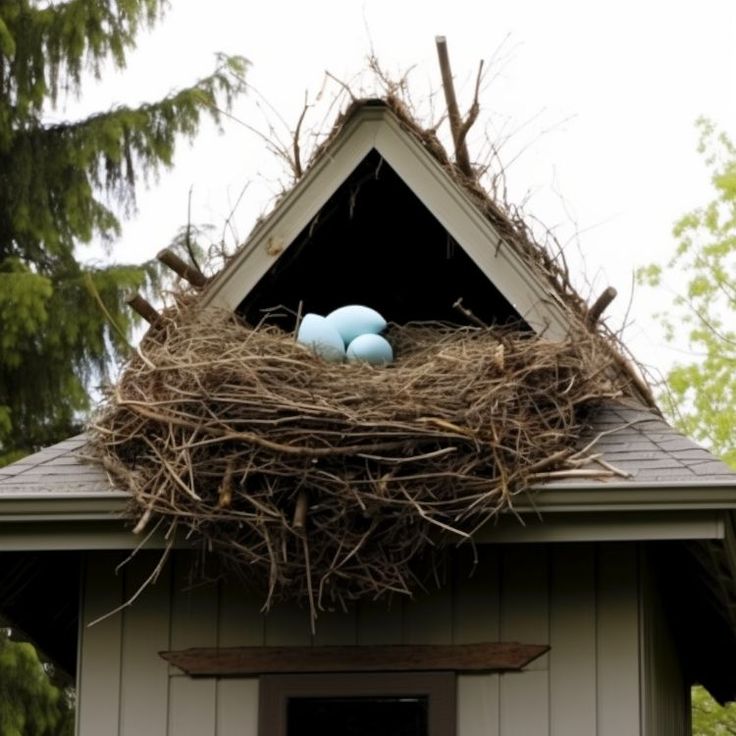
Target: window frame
[[440, 689]]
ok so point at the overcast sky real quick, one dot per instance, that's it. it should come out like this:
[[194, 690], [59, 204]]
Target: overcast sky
[[593, 105]]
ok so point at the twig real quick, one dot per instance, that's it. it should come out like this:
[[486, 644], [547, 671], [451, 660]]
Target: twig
[[298, 171], [192, 274], [148, 581], [458, 126], [460, 307], [599, 306], [141, 306]]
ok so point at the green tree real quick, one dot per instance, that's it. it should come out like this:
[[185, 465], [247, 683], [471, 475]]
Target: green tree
[[30, 704], [701, 396], [711, 719], [62, 184]]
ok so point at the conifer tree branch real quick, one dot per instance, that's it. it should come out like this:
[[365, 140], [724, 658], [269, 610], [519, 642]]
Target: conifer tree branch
[[63, 184], [57, 41]]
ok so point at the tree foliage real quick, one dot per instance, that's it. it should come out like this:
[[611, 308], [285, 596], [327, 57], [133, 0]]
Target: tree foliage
[[62, 184], [703, 391], [711, 719], [30, 703]]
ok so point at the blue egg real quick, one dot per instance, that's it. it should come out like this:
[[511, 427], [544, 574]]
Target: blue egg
[[316, 332], [354, 320], [370, 348]]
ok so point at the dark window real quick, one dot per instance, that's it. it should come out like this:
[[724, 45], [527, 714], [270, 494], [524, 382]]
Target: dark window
[[357, 716], [375, 704]]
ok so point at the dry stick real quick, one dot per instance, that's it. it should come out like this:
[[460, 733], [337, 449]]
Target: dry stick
[[612, 468], [148, 581], [300, 512], [148, 510], [457, 126], [310, 591], [473, 112], [140, 305], [173, 475], [599, 306], [344, 85], [475, 320], [139, 546], [413, 458], [298, 319], [298, 170], [584, 450], [423, 513], [222, 434], [225, 493], [191, 274]]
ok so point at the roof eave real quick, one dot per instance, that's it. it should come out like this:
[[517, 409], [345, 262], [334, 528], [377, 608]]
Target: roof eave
[[101, 521], [628, 496]]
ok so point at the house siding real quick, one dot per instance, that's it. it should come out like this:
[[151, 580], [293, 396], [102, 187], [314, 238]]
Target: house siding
[[666, 701], [581, 599]]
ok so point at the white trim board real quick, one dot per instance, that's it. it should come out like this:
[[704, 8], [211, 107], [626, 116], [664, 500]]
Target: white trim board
[[377, 128], [111, 533]]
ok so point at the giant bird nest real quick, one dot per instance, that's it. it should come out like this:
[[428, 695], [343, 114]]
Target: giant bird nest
[[329, 482]]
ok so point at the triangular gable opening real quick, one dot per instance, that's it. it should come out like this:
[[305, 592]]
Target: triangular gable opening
[[375, 243]]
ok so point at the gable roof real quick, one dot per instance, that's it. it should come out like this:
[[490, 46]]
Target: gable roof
[[462, 210]]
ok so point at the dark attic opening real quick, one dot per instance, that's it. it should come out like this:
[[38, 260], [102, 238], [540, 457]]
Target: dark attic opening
[[375, 243]]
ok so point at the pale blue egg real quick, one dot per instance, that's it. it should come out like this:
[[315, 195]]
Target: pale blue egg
[[316, 332], [370, 348], [354, 320]]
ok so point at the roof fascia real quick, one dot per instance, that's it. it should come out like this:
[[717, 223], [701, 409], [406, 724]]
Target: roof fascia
[[600, 499], [626, 496], [98, 521], [610, 527], [110, 533], [67, 507], [378, 128]]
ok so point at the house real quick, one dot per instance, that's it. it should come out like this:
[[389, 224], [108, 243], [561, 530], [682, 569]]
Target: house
[[591, 617]]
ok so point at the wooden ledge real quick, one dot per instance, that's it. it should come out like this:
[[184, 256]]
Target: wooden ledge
[[233, 661]]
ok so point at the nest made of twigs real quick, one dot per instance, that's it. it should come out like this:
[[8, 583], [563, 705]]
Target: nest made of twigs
[[327, 481]]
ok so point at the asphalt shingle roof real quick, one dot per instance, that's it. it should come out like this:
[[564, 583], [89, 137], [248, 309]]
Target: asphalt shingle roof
[[641, 444], [55, 470], [634, 440]]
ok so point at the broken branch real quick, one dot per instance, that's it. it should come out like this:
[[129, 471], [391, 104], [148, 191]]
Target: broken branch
[[458, 126], [189, 273]]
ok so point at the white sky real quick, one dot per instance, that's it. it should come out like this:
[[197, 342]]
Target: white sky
[[601, 99]]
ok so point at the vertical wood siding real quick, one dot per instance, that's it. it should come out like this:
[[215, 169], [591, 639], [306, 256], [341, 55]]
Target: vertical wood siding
[[240, 623], [666, 695], [617, 641], [98, 699], [582, 599], [573, 629], [145, 629]]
